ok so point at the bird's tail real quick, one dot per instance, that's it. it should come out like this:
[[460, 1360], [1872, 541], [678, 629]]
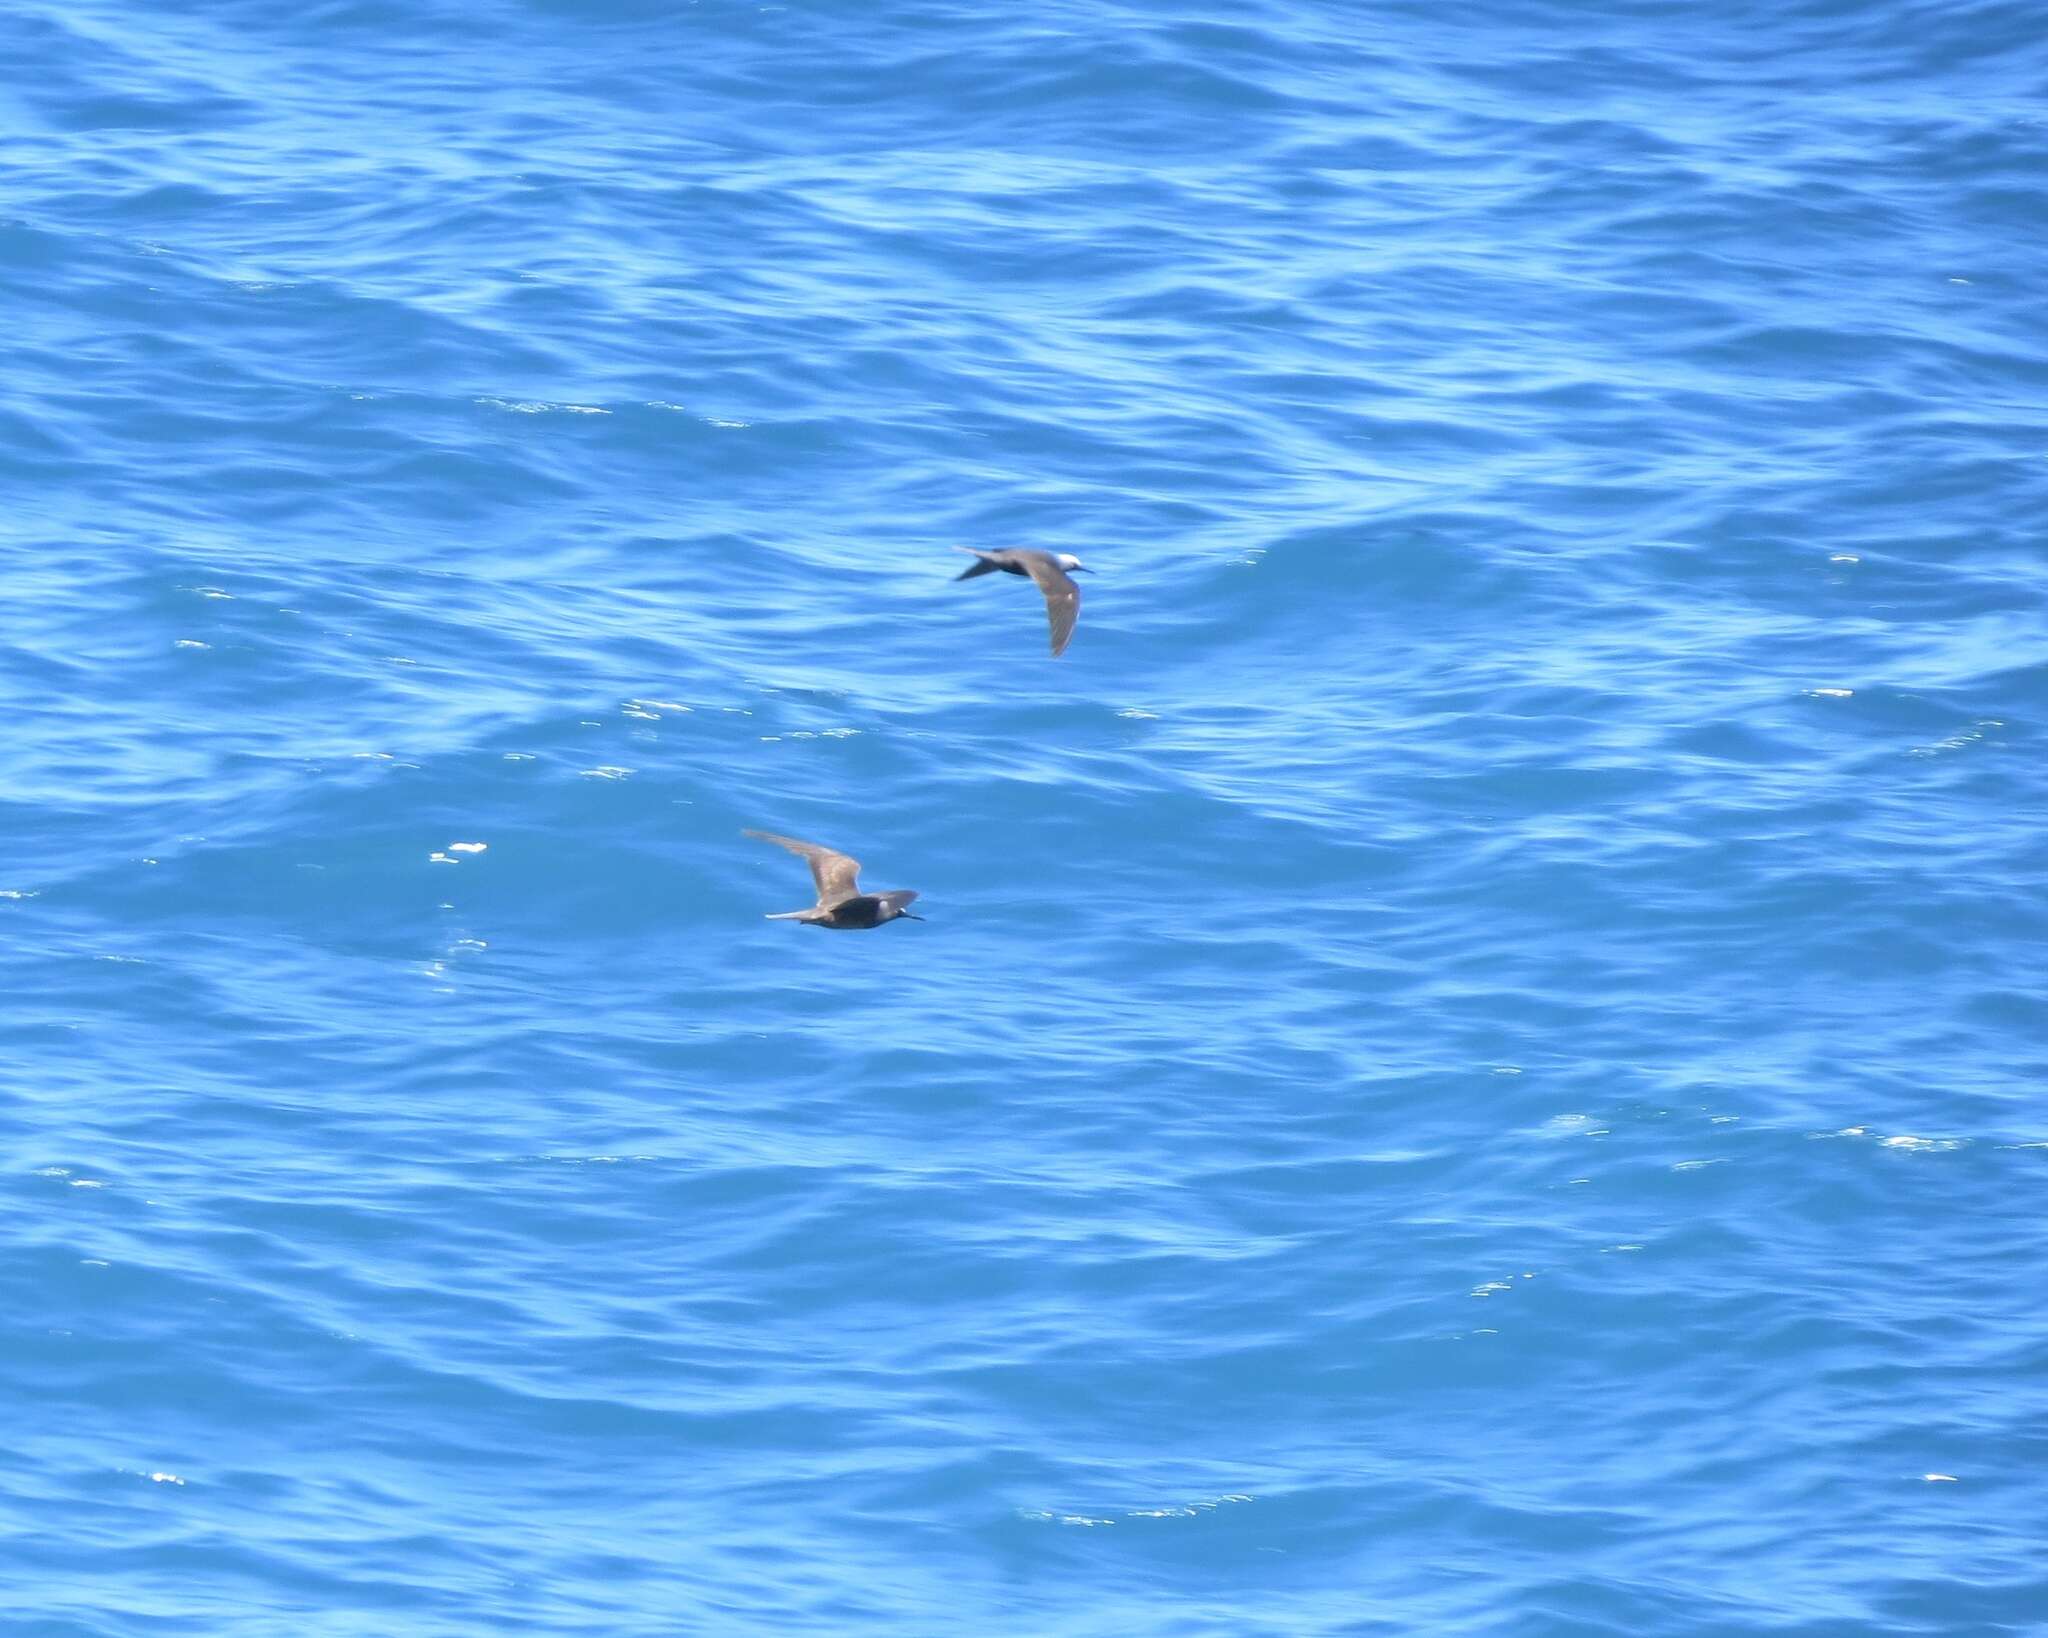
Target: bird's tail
[[787, 915], [980, 565]]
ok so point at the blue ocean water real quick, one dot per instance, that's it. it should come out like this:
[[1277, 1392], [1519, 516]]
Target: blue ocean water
[[1476, 1064]]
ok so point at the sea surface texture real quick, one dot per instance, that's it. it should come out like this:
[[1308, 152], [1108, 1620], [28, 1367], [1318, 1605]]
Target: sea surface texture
[[1475, 1063]]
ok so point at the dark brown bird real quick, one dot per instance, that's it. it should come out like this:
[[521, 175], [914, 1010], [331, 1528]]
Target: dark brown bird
[[841, 904], [1049, 570]]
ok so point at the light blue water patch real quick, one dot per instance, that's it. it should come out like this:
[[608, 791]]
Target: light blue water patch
[[1476, 1062]]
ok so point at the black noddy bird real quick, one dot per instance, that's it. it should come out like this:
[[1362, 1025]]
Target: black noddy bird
[[841, 904], [1050, 570]]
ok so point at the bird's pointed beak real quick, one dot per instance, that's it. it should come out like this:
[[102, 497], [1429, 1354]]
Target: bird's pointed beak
[[1080, 568], [909, 916]]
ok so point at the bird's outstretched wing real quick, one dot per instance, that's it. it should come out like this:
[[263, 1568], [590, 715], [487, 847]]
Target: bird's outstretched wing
[[837, 874], [1062, 598]]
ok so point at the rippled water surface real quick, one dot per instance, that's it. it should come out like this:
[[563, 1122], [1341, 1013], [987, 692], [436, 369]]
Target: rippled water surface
[[1476, 1061]]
